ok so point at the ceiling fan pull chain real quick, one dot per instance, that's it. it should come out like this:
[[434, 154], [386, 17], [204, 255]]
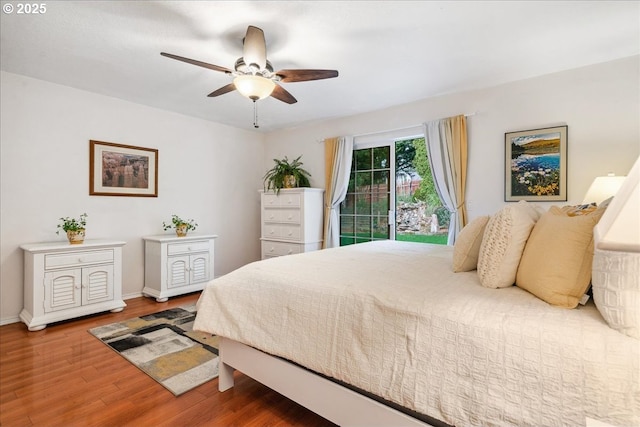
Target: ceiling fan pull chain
[[255, 114]]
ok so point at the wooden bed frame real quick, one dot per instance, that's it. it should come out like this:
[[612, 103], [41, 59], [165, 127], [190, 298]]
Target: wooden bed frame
[[328, 399]]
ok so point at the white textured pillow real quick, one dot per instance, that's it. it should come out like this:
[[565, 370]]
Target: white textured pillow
[[615, 284], [467, 246], [503, 243]]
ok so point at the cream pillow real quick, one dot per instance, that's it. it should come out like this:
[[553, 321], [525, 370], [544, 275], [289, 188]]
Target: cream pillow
[[467, 246], [556, 262], [503, 242]]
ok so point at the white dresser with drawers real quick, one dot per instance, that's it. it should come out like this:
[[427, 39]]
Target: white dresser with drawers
[[292, 221], [63, 281]]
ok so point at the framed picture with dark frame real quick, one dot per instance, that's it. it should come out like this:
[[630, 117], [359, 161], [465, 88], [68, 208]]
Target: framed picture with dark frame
[[536, 165], [122, 170]]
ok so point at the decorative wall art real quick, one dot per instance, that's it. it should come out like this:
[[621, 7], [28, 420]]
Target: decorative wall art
[[122, 170], [536, 164]]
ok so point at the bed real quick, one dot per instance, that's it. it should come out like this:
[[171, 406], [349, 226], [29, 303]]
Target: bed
[[386, 333]]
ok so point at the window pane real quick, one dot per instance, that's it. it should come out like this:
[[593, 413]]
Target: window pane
[[363, 226], [344, 241], [348, 205], [381, 157], [363, 204], [381, 178], [363, 182], [347, 226], [380, 193], [380, 204], [352, 183], [363, 159], [380, 227]]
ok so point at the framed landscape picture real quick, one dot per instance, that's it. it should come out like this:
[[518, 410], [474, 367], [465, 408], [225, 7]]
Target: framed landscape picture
[[536, 164], [122, 170]]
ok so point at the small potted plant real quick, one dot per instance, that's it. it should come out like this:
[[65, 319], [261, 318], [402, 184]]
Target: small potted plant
[[286, 174], [75, 228], [182, 226]]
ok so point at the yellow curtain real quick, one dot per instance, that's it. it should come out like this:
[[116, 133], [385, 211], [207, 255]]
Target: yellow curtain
[[330, 152], [458, 148], [447, 148]]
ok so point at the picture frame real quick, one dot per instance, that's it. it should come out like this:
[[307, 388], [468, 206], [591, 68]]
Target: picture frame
[[122, 170], [536, 164]]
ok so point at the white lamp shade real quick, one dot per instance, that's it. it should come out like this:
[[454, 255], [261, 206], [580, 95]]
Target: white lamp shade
[[254, 87], [602, 188], [619, 227]]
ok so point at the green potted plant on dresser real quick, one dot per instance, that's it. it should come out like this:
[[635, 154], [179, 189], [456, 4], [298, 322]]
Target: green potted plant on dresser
[[75, 228], [182, 226], [286, 174]]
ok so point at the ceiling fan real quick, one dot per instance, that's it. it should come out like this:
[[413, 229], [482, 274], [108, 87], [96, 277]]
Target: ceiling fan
[[253, 73]]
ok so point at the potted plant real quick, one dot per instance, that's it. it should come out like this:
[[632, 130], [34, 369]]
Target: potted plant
[[182, 226], [75, 228], [286, 174]]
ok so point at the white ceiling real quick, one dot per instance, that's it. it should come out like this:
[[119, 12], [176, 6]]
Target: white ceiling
[[387, 52]]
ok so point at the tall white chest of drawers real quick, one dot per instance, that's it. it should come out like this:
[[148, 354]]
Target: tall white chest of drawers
[[292, 221], [177, 265], [63, 281]]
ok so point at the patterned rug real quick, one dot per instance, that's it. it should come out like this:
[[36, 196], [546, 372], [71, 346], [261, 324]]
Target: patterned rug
[[165, 347]]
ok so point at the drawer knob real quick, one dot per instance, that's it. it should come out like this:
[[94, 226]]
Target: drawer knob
[[80, 259], [271, 249], [290, 216], [290, 233], [290, 251]]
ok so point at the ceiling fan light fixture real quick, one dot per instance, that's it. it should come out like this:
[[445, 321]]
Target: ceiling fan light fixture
[[254, 87]]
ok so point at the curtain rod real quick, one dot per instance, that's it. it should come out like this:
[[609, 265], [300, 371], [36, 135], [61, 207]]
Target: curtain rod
[[394, 130], [403, 128]]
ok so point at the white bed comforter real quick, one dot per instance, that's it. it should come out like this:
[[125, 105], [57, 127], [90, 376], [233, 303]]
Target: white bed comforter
[[393, 319]]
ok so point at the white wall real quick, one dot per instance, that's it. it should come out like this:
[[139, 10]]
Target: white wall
[[600, 104], [207, 171], [211, 172]]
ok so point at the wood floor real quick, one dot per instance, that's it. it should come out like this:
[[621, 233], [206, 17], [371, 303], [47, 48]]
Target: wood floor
[[62, 376]]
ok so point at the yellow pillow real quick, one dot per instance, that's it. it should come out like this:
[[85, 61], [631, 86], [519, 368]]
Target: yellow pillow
[[557, 258], [467, 245]]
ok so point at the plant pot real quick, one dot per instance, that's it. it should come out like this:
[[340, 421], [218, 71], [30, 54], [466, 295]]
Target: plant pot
[[181, 230], [290, 181], [75, 237]]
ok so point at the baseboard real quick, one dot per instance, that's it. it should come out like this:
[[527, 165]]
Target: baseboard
[[131, 296], [9, 320], [16, 319]]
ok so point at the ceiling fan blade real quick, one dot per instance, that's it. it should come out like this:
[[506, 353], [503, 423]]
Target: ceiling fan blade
[[281, 94], [198, 63], [224, 89], [289, 76], [255, 48]]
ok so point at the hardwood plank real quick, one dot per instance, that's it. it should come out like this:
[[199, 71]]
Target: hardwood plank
[[63, 376]]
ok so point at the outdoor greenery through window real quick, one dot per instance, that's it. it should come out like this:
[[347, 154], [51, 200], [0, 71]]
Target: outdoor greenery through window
[[406, 208]]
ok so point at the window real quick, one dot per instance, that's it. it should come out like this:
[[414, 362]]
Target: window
[[406, 207]]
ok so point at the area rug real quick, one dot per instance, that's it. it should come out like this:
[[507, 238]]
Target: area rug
[[165, 347]]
